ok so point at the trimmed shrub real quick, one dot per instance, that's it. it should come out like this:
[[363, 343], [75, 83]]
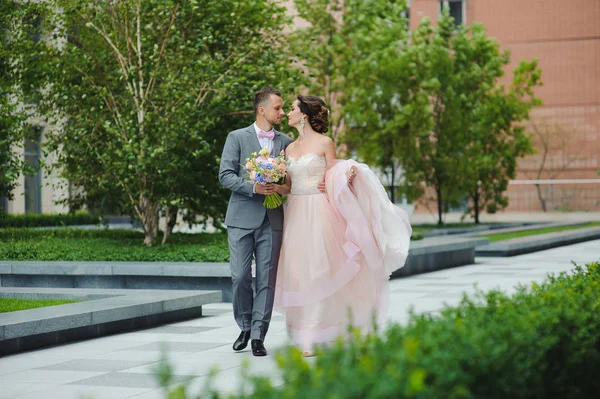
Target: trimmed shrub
[[47, 220], [109, 245]]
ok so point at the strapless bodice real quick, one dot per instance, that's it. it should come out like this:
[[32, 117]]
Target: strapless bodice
[[307, 172]]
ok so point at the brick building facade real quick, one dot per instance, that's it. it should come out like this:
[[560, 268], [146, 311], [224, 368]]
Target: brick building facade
[[565, 37]]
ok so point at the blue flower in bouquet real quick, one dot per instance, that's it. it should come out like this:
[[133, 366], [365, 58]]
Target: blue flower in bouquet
[[259, 178], [267, 166]]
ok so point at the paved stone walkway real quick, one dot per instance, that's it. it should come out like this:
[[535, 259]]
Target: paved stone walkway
[[121, 366]]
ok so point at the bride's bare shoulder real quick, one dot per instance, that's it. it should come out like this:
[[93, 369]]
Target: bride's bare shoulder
[[291, 147], [326, 141]]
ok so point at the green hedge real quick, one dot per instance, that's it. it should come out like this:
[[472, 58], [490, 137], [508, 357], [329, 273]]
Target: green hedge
[[46, 220], [542, 342], [109, 245]]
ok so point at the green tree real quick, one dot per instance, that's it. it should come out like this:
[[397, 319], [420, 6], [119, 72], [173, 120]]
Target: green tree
[[13, 111], [384, 101], [433, 154], [469, 148], [319, 49], [498, 138], [339, 35], [142, 94]]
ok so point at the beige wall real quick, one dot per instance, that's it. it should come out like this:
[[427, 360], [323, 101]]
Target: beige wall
[[52, 188]]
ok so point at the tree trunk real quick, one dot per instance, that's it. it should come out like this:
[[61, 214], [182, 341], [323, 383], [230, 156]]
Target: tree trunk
[[393, 186], [541, 197], [476, 206], [170, 221], [149, 220], [440, 205]]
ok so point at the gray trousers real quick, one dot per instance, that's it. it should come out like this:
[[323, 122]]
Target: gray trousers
[[253, 312]]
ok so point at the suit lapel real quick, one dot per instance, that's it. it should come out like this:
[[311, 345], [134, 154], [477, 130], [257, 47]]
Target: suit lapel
[[253, 139], [277, 144]]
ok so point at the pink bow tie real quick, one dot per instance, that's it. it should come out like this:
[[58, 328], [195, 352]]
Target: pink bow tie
[[266, 135]]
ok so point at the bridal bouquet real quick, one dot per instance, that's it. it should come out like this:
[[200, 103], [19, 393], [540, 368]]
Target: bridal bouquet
[[264, 169]]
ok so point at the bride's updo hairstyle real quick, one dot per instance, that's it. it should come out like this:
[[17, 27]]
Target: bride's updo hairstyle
[[317, 112]]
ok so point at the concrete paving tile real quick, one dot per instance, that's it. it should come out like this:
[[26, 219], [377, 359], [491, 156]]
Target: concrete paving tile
[[94, 365], [142, 356], [232, 381], [127, 380], [154, 394], [178, 346], [173, 329], [13, 364], [82, 350], [208, 321], [406, 296], [86, 392], [201, 365], [12, 389], [55, 376], [148, 336]]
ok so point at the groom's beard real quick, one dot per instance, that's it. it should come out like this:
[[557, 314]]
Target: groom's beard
[[275, 122]]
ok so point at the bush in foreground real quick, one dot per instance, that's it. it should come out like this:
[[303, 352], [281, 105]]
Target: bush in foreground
[[541, 342]]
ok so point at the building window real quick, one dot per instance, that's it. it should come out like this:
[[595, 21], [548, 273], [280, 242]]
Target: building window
[[457, 10], [33, 183], [406, 14]]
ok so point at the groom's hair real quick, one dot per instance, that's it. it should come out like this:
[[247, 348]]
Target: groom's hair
[[264, 95]]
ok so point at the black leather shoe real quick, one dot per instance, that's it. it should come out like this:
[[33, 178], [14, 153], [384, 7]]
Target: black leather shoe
[[258, 349], [242, 341]]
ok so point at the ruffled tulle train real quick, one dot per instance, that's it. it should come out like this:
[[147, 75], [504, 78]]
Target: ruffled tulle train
[[337, 254]]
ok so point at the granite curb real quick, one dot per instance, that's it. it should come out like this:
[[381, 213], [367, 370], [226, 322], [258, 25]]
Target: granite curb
[[101, 312], [525, 228], [480, 229], [534, 243], [425, 255]]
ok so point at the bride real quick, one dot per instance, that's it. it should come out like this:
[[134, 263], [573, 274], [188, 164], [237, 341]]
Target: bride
[[342, 237]]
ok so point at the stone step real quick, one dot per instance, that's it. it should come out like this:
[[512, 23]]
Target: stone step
[[102, 312]]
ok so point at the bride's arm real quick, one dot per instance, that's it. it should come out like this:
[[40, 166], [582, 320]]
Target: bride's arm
[[330, 153], [331, 157]]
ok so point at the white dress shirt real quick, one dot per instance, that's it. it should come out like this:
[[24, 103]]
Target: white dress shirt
[[264, 142]]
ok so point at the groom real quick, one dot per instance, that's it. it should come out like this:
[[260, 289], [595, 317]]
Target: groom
[[251, 228]]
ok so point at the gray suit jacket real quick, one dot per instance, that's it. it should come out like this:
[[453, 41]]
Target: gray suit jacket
[[245, 209]]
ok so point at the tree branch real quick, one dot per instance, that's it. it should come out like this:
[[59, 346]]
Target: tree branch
[[120, 58], [152, 81], [112, 106], [200, 98]]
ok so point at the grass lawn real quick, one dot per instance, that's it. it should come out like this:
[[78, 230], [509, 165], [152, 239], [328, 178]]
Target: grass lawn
[[423, 228], [109, 245], [12, 305], [517, 234]]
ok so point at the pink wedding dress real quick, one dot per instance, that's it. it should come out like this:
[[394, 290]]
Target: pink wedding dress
[[338, 251]]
